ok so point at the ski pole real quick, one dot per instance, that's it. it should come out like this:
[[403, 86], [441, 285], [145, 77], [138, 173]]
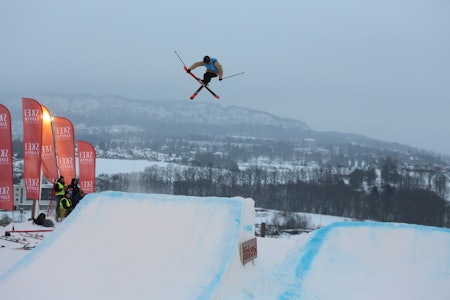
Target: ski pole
[[180, 59], [233, 75]]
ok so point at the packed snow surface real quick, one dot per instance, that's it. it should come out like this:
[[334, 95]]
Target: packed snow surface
[[145, 246]]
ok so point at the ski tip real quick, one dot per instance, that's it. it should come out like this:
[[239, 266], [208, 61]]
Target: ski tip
[[218, 97]]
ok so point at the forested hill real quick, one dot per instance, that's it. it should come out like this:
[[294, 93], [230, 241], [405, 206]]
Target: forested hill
[[113, 117]]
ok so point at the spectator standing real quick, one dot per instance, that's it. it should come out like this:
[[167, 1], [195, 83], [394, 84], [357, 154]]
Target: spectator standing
[[60, 190], [65, 208], [76, 195]]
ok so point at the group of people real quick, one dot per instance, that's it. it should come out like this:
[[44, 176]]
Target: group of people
[[67, 197]]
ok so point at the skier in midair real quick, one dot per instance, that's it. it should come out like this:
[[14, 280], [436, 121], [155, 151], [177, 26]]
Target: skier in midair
[[213, 68]]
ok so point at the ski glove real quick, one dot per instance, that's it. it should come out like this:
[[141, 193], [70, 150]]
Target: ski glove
[[188, 70]]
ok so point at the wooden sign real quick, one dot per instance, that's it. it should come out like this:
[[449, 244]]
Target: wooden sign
[[249, 251]]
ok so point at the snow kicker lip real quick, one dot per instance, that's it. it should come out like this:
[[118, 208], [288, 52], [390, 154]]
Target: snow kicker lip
[[153, 241]]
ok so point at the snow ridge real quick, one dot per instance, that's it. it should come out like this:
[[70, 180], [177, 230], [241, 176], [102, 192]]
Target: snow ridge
[[307, 255], [164, 247]]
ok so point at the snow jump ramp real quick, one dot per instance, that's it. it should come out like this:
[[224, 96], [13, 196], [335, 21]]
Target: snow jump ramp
[[371, 261], [164, 246]]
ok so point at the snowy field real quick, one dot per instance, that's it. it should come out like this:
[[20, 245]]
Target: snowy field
[[144, 246], [115, 166]]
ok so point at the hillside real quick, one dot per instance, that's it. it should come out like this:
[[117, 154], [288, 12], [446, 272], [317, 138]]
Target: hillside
[[148, 124]]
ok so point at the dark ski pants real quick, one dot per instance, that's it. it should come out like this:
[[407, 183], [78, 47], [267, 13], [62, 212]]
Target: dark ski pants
[[207, 77]]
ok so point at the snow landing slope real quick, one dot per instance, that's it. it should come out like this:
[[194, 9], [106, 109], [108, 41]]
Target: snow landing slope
[[165, 247], [371, 260]]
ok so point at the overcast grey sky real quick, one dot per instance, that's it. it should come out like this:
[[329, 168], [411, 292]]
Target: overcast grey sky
[[380, 68]]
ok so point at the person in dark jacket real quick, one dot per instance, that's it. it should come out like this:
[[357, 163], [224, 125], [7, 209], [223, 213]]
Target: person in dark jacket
[[76, 195]]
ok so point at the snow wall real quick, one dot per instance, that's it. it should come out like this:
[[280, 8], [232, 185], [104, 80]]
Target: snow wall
[[152, 242], [371, 260]]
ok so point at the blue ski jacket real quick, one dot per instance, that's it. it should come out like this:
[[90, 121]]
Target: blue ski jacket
[[214, 66], [211, 67]]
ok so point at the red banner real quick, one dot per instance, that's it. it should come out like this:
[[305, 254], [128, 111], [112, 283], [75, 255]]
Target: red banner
[[48, 155], [32, 140], [6, 165], [65, 146], [86, 166]]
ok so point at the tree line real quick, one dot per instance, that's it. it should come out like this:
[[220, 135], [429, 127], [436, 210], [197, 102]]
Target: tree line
[[385, 192]]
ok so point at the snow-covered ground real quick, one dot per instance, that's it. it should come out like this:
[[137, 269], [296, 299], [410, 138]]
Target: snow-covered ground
[[115, 166], [143, 246]]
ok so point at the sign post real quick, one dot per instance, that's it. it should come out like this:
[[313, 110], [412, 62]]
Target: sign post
[[249, 251]]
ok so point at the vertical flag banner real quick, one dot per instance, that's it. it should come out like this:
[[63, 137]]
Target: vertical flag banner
[[65, 147], [48, 157], [6, 165], [86, 166], [32, 140]]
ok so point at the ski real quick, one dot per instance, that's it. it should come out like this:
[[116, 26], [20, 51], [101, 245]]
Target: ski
[[14, 240], [196, 92], [25, 247], [33, 236], [203, 86]]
